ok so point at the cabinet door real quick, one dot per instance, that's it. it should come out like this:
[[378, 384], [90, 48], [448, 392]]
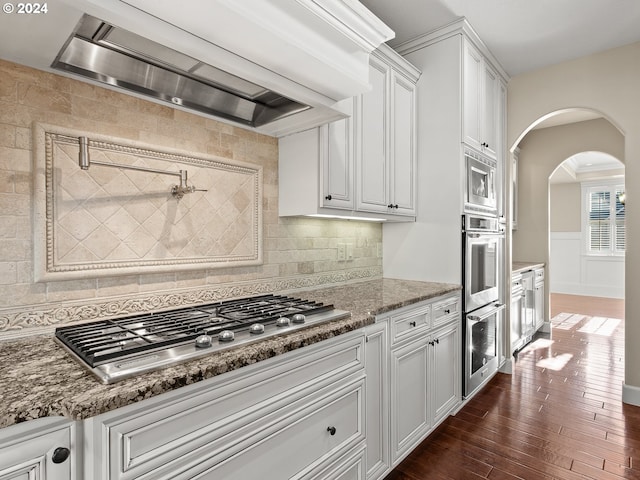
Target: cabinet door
[[403, 146], [336, 157], [490, 107], [472, 98], [32, 457], [372, 169], [539, 305], [409, 396], [445, 369], [377, 399]]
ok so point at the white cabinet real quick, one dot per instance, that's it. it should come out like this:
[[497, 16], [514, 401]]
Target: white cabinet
[[386, 157], [481, 103], [41, 449], [425, 370], [377, 399], [294, 415], [445, 371], [337, 160], [409, 396], [363, 165], [538, 297]]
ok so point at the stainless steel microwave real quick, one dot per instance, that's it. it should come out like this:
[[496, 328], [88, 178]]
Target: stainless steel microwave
[[480, 192]]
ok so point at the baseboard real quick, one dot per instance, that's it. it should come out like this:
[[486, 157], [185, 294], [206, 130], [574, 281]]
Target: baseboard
[[507, 366], [631, 394]]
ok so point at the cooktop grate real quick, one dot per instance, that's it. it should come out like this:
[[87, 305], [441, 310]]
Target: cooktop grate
[[103, 341]]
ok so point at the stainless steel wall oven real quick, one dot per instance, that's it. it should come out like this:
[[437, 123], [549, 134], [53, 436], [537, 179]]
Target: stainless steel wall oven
[[482, 246]]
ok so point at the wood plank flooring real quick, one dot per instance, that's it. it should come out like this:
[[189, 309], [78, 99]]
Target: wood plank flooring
[[559, 416]]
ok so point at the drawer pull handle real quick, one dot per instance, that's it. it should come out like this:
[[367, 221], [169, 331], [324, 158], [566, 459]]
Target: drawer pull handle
[[60, 454], [413, 324], [331, 430]]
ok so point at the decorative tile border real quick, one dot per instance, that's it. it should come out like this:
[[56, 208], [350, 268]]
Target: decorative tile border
[[20, 322]]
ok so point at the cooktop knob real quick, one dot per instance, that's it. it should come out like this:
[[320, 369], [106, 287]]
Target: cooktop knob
[[203, 341], [256, 328], [298, 318], [283, 322], [226, 336]]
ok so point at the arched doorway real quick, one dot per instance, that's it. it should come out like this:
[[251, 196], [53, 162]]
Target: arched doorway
[[586, 226], [542, 149]]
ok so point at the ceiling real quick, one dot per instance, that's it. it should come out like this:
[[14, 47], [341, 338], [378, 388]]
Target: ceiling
[[523, 35], [587, 166]]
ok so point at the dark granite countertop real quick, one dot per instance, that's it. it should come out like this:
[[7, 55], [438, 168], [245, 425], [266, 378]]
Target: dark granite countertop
[[38, 378], [519, 267]]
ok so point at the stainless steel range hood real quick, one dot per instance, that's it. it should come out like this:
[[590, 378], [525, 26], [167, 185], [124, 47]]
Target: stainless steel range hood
[[118, 57]]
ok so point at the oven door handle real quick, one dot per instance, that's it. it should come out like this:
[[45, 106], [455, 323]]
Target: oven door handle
[[479, 318], [485, 234]]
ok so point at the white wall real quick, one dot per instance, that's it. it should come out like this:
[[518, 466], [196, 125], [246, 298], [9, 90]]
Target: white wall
[[571, 271], [608, 83]]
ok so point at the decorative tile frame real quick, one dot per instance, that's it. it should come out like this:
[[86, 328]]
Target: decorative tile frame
[[106, 221]]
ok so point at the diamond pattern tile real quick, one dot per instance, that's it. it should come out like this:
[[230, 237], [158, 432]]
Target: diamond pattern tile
[[107, 214]]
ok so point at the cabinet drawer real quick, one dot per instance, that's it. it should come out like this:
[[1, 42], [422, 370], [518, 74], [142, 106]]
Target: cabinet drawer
[[406, 325], [26, 449], [298, 445], [177, 427], [349, 466], [446, 310]]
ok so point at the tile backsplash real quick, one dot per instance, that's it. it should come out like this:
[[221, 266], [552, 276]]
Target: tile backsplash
[[297, 252]]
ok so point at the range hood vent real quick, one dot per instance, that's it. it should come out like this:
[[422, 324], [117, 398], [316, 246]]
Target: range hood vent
[[118, 57]]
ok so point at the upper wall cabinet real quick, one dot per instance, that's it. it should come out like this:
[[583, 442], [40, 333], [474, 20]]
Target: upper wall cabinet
[[386, 157], [363, 165], [481, 105]]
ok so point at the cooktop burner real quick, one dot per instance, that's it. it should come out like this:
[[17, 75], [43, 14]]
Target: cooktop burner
[[120, 348]]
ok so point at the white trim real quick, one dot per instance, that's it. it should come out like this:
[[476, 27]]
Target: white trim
[[631, 394]]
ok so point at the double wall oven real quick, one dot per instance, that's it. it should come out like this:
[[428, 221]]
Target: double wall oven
[[482, 238]]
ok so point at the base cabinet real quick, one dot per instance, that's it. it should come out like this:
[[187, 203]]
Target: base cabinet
[[42, 449], [425, 370], [445, 371], [377, 399], [538, 297], [291, 414], [347, 408]]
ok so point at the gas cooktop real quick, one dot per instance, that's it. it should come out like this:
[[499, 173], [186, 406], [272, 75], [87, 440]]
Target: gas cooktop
[[119, 348]]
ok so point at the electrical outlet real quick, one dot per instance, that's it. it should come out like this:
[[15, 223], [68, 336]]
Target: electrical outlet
[[349, 251], [342, 252]]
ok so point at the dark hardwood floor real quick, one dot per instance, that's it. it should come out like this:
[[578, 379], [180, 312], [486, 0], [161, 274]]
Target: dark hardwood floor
[[559, 416]]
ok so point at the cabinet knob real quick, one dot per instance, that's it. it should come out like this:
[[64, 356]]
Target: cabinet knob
[[437, 340], [447, 311], [60, 454], [390, 205], [328, 197], [413, 324], [331, 430]]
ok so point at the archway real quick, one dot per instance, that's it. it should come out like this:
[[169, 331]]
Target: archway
[[586, 226], [605, 82], [541, 151]]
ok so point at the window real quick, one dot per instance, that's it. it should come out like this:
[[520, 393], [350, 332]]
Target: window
[[604, 226]]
